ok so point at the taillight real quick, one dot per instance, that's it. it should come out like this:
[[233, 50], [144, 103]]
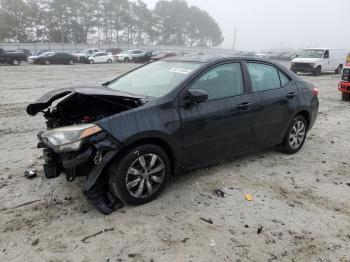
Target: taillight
[[315, 91]]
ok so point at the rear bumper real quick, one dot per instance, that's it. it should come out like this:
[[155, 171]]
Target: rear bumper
[[344, 87], [314, 111]]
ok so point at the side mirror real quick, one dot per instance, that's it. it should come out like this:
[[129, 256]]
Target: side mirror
[[196, 96]]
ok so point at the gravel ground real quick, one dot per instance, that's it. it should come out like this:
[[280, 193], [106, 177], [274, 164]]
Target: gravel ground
[[300, 201]]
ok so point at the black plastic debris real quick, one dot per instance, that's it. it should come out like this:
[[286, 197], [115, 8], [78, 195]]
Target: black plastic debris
[[84, 240], [219, 193], [35, 242], [260, 228], [30, 174], [209, 221]]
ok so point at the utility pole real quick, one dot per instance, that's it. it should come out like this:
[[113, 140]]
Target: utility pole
[[234, 39]]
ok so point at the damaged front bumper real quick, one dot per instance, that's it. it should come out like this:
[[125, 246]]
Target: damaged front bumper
[[91, 160]]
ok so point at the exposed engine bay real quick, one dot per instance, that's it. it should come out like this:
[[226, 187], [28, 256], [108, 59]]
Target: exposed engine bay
[[82, 105], [74, 146]]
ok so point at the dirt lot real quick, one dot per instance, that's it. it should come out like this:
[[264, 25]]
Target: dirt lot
[[301, 201]]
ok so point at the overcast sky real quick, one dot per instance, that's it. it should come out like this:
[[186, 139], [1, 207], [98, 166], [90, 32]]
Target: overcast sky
[[266, 24]]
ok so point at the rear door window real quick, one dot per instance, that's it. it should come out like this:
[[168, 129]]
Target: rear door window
[[263, 77], [284, 79]]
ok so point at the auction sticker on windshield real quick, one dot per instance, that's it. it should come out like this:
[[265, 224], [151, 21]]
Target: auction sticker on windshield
[[180, 70]]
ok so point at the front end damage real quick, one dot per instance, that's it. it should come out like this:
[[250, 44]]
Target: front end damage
[[74, 146]]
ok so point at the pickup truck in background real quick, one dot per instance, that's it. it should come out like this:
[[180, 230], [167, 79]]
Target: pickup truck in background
[[12, 58]]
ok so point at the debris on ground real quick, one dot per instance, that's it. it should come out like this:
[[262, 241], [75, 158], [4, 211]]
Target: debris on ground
[[30, 174], [96, 234], [212, 243], [260, 228], [21, 205], [248, 197], [185, 239], [35, 242], [209, 221], [219, 193]]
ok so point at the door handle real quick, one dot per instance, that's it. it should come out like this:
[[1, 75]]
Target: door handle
[[291, 95], [245, 106]]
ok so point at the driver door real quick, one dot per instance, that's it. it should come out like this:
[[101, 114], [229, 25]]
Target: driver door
[[220, 126]]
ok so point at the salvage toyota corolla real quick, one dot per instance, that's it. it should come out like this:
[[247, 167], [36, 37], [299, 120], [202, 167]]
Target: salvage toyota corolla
[[130, 134]]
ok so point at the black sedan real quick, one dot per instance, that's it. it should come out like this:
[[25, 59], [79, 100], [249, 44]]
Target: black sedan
[[143, 57], [55, 58], [130, 135]]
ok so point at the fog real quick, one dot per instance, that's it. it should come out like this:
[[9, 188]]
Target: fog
[[269, 24]]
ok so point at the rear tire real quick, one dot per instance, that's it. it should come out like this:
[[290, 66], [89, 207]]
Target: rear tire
[[140, 174], [71, 62], [47, 62], [345, 96], [295, 136], [109, 61], [126, 60], [338, 70], [317, 71]]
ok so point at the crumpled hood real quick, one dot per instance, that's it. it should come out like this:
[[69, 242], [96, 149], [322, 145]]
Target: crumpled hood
[[47, 99]]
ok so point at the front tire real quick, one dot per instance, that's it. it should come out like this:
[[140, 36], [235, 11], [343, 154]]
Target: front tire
[[140, 175], [47, 62], [295, 136], [91, 61], [109, 61], [345, 96], [71, 62], [317, 71], [126, 60]]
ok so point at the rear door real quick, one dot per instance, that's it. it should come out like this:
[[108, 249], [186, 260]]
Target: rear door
[[276, 99], [221, 125]]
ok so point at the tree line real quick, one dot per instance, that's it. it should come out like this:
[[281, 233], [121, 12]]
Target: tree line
[[119, 21]]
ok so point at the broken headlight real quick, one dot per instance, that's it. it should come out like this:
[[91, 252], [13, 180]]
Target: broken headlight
[[68, 138]]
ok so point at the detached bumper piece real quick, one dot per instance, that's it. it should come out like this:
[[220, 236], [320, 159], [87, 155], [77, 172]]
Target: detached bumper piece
[[90, 161]]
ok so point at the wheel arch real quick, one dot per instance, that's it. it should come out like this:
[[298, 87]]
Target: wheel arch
[[162, 143], [306, 114]]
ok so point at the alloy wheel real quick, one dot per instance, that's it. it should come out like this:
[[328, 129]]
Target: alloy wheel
[[297, 134], [145, 175]]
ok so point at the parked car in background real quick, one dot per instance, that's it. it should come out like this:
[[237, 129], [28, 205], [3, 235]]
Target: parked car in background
[[41, 51], [31, 59], [27, 52], [127, 56], [83, 56], [344, 85], [55, 58], [114, 51], [319, 60], [162, 55], [13, 58], [247, 54], [101, 57], [143, 57], [129, 136]]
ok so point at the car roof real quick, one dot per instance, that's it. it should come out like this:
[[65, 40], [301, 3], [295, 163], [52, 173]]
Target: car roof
[[212, 58]]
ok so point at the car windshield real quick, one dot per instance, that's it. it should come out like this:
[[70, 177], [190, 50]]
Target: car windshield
[[154, 80], [311, 53]]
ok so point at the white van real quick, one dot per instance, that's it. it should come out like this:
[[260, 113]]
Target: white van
[[318, 60]]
